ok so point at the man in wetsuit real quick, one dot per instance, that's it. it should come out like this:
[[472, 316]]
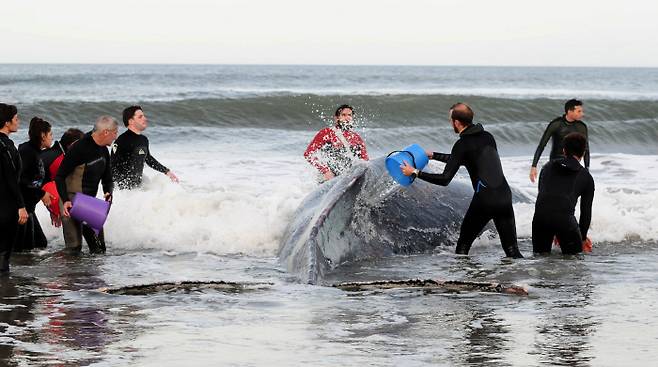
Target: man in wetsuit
[[492, 199], [131, 150], [12, 206], [86, 165], [561, 182], [334, 149], [557, 130]]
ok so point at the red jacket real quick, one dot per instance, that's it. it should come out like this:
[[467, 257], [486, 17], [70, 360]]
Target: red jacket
[[327, 139]]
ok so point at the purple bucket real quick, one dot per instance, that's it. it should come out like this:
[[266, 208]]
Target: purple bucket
[[90, 211]]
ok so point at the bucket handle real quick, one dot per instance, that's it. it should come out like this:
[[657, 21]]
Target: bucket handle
[[413, 161]]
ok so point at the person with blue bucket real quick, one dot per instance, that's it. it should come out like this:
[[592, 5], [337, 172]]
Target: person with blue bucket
[[86, 165], [492, 199], [413, 155]]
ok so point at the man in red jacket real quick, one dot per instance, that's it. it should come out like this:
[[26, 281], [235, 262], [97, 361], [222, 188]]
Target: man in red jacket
[[334, 149]]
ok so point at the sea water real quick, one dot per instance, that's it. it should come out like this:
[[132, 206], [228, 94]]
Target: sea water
[[235, 136]]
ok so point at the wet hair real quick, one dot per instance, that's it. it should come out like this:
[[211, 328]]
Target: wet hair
[[69, 137], [7, 112], [571, 104], [340, 109], [129, 112], [575, 144], [38, 126], [462, 113]]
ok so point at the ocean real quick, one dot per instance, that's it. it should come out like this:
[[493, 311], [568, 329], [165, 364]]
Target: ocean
[[235, 135]]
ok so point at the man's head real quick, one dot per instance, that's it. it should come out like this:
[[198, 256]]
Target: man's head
[[460, 116], [40, 132], [573, 110], [9, 118], [133, 117], [105, 130], [575, 145], [343, 116], [69, 137]]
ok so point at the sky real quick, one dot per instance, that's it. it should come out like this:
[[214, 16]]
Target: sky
[[362, 32]]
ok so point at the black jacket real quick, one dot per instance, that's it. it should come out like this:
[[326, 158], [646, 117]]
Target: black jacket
[[561, 182], [129, 153], [11, 198]]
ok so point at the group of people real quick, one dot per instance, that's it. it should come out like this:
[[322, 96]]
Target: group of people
[[55, 173], [562, 180]]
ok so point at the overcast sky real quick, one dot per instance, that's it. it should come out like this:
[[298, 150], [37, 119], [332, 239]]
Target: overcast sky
[[420, 32]]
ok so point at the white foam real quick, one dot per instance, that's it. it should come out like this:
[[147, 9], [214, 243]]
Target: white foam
[[234, 199]]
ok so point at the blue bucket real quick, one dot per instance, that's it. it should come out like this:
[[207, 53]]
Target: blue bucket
[[413, 154]]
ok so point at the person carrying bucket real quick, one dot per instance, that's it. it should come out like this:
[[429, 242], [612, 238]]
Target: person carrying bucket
[[334, 149], [492, 199], [86, 165]]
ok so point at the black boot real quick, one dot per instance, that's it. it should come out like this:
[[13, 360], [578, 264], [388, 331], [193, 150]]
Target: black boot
[[513, 252]]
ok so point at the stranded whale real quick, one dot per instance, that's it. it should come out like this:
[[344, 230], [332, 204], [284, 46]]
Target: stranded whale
[[363, 214]]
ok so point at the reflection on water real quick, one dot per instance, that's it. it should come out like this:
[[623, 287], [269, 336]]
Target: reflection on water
[[51, 313]]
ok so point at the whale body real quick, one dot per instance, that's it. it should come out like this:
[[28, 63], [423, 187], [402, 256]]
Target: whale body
[[363, 214]]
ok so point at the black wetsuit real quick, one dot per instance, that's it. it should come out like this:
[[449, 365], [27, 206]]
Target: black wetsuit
[[561, 182], [84, 166], [11, 198], [30, 235], [129, 153], [557, 130], [476, 149]]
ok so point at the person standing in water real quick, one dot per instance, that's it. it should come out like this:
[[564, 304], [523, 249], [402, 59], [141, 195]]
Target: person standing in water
[[32, 178], [86, 165], [334, 149], [557, 130], [12, 206], [131, 150], [492, 199], [561, 182]]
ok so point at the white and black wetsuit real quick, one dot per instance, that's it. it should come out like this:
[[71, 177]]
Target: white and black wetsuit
[[476, 150], [561, 182], [129, 153], [11, 198], [30, 235], [84, 166]]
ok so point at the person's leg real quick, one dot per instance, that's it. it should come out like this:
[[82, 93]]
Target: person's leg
[[8, 229], [571, 241], [506, 227], [72, 233], [40, 240], [96, 243], [474, 221], [542, 235]]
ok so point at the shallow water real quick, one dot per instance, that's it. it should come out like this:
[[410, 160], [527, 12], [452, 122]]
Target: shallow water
[[235, 136], [597, 309]]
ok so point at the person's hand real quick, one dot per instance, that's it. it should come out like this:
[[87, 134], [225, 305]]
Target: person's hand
[[56, 220], [67, 206], [172, 176], [533, 174], [22, 216], [587, 245], [407, 170], [108, 197], [47, 199], [328, 175], [429, 153]]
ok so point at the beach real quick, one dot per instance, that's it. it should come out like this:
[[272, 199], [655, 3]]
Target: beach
[[235, 135]]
